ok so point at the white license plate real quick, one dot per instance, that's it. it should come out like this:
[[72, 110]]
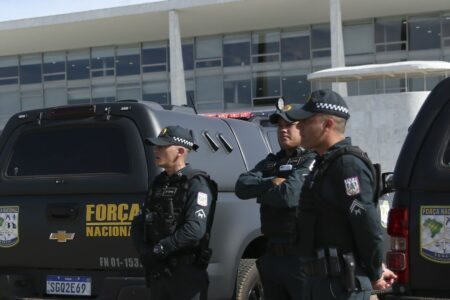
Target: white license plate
[[69, 285]]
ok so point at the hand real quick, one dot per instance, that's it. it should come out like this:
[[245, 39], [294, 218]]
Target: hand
[[387, 279], [278, 180]]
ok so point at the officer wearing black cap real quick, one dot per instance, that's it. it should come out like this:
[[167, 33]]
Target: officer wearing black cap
[[276, 183], [171, 234], [338, 220]]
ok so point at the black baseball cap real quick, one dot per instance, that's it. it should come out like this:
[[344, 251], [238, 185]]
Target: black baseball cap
[[174, 135], [321, 101], [275, 117]]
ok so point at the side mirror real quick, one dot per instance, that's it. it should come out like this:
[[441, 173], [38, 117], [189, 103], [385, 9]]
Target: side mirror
[[387, 181]]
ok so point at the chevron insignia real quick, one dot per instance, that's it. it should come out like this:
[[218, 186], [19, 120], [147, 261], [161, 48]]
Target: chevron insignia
[[356, 208]]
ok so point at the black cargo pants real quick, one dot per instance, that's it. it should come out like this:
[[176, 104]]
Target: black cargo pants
[[186, 282], [282, 276]]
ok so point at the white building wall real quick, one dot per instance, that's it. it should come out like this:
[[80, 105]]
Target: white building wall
[[379, 123]]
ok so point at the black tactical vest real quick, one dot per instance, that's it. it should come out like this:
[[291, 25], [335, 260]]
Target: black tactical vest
[[278, 221], [165, 204], [322, 224]]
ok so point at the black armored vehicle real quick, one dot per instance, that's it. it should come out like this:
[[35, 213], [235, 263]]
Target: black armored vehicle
[[419, 222], [73, 178]]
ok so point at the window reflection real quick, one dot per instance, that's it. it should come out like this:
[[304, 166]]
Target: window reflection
[[424, 33], [54, 66], [102, 62], [128, 61], [30, 69], [321, 40], [296, 88], [236, 50], [154, 58], [237, 91], [188, 56], [9, 70], [266, 84], [390, 34], [295, 46], [265, 47], [156, 91], [78, 65]]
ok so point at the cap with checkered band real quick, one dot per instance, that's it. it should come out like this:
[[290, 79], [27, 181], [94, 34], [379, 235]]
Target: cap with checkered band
[[174, 135], [321, 101]]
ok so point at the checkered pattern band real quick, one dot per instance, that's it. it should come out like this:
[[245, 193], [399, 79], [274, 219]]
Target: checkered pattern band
[[182, 141], [332, 107]]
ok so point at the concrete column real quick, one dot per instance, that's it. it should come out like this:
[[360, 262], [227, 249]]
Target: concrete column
[[337, 44], [177, 83]]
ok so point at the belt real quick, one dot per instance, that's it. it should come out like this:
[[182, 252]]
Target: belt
[[186, 259], [283, 250]]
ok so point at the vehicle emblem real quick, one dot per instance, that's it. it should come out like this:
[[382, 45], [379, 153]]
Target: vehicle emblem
[[61, 236], [9, 226]]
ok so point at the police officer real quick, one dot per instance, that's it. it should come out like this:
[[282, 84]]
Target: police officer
[[276, 183], [338, 219], [171, 234]]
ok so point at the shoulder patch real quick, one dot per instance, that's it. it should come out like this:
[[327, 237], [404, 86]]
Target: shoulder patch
[[352, 186], [202, 199]]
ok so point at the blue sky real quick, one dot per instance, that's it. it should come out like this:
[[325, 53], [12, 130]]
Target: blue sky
[[24, 9]]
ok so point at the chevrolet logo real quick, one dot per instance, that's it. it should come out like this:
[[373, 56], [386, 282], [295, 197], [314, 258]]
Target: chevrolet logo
[[61, 236]]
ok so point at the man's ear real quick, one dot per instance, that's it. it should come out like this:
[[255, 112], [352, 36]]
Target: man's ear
[[181, 151], [328, 123]]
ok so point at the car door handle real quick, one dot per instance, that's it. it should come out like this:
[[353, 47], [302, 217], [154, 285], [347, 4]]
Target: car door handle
[[62, 210]]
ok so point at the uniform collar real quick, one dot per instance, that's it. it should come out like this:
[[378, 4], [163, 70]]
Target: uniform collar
[[342, 143], [296, 153], [180, 172]]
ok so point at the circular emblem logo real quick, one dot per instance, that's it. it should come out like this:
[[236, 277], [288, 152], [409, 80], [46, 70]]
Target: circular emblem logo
[[287, 107], [163, 131]]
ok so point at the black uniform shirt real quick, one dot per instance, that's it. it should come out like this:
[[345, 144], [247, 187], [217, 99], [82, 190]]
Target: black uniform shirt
[[347, 190], [258, 181], [195, 215]]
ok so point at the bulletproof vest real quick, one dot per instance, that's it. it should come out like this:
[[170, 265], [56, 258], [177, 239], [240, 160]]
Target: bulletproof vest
[[321, 223], [164, 207], [277, 221]]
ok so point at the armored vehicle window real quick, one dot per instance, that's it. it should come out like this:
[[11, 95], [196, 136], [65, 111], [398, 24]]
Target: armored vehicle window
[[447, 155], [78, 150]]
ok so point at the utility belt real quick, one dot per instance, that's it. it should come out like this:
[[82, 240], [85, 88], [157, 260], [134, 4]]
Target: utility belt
[[283, 250], [165, 269], [330, 263]]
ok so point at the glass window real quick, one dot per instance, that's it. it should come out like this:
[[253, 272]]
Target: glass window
[[237, 91], [361, 87], [55, 96], [358, 39], [9, 70], [390, 34], [90, 149], [296, 87], [265, 46], [155, 91], [188, 56], [154, 57], [190, 92], [129, 91], [128, 61], [30, 69], [79, 95], [102, 62], [78, 65], [103, 93], [266, 84], [208, 52], [54, 66], [424, 33], [32, 100], [9, 103], [446, 30], [295, 46], [236, 50], [321, 40], [209, 92], [391, 85]]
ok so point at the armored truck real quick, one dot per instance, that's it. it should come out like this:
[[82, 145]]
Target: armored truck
[[419, 221], [72, 179]]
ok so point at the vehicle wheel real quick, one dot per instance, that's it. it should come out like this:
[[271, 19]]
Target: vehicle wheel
[[248, 286]]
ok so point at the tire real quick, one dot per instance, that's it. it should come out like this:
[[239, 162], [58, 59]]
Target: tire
[[248, 285]]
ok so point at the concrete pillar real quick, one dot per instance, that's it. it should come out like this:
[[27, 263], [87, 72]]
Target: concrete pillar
[[177, 83], [337, 44]]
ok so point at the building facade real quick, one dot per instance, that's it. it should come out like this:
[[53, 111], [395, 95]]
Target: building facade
[[242, 68]]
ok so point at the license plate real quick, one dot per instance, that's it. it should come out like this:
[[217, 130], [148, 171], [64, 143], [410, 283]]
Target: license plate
[[69, 285]]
